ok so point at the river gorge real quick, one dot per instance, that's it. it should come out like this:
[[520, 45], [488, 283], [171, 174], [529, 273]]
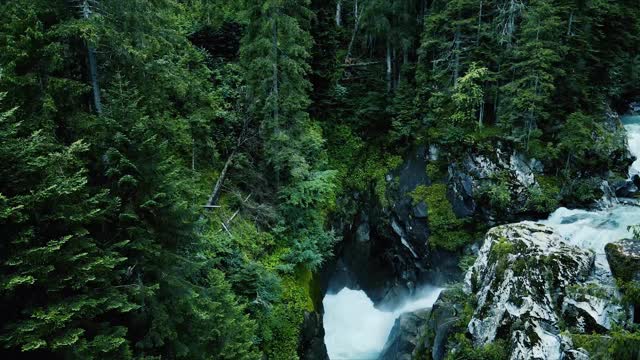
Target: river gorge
[[357, 329]]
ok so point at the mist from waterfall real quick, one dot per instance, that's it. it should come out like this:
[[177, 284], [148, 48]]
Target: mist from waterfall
[[356, 329]]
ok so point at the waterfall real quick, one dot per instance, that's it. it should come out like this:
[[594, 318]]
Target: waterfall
[[356, 329]]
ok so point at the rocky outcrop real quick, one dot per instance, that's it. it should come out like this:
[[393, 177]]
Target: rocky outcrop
[[311, 344], [521, 278], [619, 154], [404, 336], [587, 314], [624, 259], [385, 249], [627, 188], [443, 320], [468, 178]]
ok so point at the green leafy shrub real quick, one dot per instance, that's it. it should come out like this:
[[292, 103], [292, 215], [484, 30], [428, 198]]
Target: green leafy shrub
[[281, 324], [545, 197], [464, 350], [582, 191], [619, 344], [496, 193], [466, 262]]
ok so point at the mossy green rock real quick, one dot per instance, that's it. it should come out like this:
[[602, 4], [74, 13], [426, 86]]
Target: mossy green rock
[[624, 259]]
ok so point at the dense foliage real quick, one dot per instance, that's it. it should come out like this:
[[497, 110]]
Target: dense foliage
[[171, 168]]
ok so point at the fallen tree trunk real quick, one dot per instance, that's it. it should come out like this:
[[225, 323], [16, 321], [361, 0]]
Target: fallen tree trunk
[[217, 188]]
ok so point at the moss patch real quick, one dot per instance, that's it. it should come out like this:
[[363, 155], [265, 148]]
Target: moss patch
[[447, 231], [283, 321]]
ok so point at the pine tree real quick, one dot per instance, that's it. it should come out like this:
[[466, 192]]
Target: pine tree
[[275, 52], [129, 275], [450, 33], [529, 94], [61, 286]]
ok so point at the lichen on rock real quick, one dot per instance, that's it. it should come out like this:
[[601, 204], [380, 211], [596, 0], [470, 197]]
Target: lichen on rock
[[520, 279]]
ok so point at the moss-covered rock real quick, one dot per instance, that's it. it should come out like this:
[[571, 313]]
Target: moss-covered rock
[[624, 259], [499, 184], [520, 279], [447, 317], [447, 230]]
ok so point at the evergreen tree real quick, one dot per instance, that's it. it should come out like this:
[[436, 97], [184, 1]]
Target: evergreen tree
[[275, 52], [130, 275], [119, 117], [62, 288], [529, 94]]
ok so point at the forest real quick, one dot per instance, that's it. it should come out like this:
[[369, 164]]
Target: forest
[[178, 175]]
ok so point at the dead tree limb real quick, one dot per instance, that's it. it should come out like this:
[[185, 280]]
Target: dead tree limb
[[217, 188], [357, 12], [361, 64], [215, 193]]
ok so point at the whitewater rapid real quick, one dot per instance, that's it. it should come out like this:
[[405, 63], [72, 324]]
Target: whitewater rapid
[[355, 329], [594, 229], [632, 124]]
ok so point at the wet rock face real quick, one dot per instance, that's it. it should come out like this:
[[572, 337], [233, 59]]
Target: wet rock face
[[385, 249], [589, 314], [521, 277], [624, 259], [443, 319], [404, 336], [621, 157], [467, 178], [408, 222], [627, 188], [311, 345]]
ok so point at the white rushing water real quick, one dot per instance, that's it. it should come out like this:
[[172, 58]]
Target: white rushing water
[[593, 229], [632, 124], [355, 329]]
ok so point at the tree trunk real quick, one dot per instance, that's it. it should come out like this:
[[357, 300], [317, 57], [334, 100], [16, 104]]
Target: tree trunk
[[339, 13], [479, 23], [456, 64], [389, 77], [569, 30], [531, 116], [215, 193], [357, 14], [92, 63], [394, 69], [496, 100], [275, 85], [275, 90]]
